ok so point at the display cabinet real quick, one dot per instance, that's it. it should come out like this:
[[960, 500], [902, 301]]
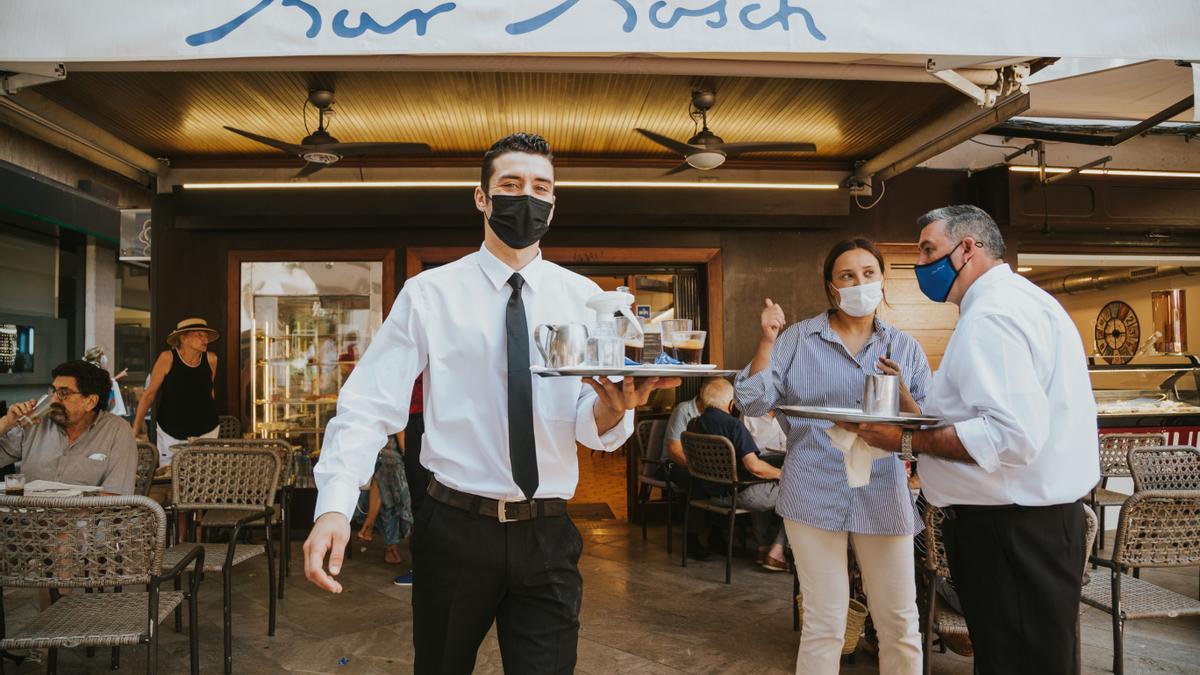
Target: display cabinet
[[308, 323], [1149, 393]]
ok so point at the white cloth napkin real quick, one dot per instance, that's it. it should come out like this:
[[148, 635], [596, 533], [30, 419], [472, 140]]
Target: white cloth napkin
[[49, 488], [859, 455]]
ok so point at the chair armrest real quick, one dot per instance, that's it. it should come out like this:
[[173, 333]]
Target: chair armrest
[[196, 554], [644, 460], [265, 516], [1103, 562], [756, 481]]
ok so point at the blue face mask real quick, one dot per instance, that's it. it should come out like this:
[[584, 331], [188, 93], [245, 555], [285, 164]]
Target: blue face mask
[[936, 278]]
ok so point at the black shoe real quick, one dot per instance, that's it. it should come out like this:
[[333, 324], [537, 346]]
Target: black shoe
[[696, 550]]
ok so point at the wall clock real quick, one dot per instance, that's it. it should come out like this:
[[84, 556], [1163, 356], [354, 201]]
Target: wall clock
[[1118, 333]]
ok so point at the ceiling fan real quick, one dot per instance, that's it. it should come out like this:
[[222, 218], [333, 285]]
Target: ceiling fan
[[319, 149], [707, 150]]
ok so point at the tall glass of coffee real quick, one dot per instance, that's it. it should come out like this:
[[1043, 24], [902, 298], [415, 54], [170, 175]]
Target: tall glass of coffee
[[689, 346]]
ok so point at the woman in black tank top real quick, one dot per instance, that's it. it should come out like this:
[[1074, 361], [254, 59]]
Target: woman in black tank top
[[183, 380]]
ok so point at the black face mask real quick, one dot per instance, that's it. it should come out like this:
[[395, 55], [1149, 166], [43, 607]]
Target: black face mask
[[519, 221]]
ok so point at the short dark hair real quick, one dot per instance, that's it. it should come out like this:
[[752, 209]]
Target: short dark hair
[[90, 378], [837, 251], [519, 142]]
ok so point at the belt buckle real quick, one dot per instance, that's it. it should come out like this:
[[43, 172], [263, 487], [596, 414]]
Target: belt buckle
[[502, 511]]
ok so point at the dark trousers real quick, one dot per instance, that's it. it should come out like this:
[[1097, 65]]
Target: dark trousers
[[470, 570], [414, 473], [1018, 572]]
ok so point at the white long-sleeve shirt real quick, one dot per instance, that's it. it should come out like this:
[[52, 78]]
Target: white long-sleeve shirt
[[1014, 383], [448, 325]]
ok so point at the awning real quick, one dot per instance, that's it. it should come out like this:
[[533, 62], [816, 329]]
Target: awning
[[152, 30], [1133, 92]]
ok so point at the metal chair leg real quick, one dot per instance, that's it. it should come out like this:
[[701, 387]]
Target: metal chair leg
[[178, 611], [1118, 625], [193, 631], [115, 658], [52, 661], [670, 517], [270, 582], [687, 514], [641, 507], [729, 544], [227, 578]]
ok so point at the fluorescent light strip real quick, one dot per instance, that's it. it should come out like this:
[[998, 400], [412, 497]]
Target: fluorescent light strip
[[467, 183], [1111, 172]]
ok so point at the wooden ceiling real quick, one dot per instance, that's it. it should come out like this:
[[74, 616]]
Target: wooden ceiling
[[586, 117]]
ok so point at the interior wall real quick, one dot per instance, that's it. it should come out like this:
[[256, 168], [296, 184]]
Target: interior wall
[[1084, 307]]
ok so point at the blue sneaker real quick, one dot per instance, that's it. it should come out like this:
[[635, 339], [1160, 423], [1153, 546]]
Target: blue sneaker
[[404, 579]]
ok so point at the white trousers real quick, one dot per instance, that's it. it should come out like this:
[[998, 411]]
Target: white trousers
[[886, 562], [165, 441]]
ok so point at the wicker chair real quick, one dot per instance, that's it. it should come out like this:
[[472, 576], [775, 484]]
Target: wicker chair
[[146, 464], [1157, 528], [1172, 467], [93, 543], [1114, 463], [232, 479], [651, 472], [713, 458], [230, 427], [281, 512]]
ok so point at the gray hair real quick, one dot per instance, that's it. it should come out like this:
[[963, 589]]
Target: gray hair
[[716, 392], [965, 220]]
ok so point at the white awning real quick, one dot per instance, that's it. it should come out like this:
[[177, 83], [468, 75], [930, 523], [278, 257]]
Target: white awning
[[153, 30], [1133, 92]]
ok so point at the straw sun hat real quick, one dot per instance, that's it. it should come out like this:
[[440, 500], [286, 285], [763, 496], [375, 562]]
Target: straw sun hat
[[190, 325]]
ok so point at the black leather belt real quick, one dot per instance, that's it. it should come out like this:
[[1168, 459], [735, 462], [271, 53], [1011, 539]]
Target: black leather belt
[[500, 509]]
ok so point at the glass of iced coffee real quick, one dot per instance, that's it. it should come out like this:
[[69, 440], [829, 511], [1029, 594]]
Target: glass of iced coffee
[[689, 346]]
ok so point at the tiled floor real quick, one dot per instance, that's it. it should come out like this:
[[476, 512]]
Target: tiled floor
[[602, 479], [642, 613]]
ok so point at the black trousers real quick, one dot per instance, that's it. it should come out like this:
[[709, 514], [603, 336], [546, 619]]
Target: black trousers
[[470, 570], [414, 473], [1018, 572]]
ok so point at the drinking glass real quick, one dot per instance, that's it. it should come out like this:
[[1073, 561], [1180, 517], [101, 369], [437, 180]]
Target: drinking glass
[[14, 484], [689, 346], [669, 328]]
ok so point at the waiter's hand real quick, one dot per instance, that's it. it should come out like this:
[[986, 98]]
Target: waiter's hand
[[614, 398], [328, 536], [772, 320], [882, 436]]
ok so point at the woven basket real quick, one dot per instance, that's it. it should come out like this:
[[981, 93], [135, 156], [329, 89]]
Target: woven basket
[[856, 619]]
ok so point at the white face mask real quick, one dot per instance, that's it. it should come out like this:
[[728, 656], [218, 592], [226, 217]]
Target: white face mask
[[860, 300]]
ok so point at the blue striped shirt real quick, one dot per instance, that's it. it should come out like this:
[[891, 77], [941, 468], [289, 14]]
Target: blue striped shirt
[[811, 366]]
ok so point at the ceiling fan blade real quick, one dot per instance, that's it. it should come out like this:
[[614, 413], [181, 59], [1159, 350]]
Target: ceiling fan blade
[[309, 169], [683, 166], [735, 149], [361, 149], [286, 147], [669, 143]]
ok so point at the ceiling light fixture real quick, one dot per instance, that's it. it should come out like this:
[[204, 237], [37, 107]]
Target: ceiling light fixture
[[1147, 173], [666, 185]]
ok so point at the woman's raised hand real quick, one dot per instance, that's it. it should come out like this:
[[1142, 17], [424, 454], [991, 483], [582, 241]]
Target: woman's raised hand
[[773, 320]]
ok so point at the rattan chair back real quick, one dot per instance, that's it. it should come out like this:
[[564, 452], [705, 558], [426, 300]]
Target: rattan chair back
[[215, 477], [230, 427], [1114, 451], [650, 443], [935, 550], [1173, 467], [80, 542], [147, 462], [710, 457], [1159, 528], [287, 473]]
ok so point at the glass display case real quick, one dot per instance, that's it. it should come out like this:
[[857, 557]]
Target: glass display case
[[1157, 391], [304, 327]]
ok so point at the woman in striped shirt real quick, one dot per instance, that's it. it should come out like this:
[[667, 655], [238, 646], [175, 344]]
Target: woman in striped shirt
[[824, 360]]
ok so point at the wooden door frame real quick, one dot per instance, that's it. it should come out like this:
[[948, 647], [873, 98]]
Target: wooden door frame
[[233, 269], [416, 259]]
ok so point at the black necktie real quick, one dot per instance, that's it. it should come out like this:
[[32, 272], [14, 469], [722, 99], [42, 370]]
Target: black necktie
[[522, 449]]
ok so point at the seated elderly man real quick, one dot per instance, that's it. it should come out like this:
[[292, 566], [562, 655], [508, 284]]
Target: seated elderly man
[[716, 397], [77, 442]]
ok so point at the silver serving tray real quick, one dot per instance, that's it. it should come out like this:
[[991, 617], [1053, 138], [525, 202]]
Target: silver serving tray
[[856, 416], [635, 371]]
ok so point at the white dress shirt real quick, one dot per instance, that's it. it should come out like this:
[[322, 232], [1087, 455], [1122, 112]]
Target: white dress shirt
[[448, 325], [1014, 383], [767, 433]]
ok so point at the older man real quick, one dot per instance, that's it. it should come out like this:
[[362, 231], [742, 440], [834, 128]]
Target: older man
[[77, 442], [1017, 452]]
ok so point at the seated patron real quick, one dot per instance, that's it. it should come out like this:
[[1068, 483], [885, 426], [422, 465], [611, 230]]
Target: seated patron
[[768, 436], [77, 441], [717, 419]]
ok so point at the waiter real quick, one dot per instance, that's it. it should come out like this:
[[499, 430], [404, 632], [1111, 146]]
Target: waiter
[[1017, 454], [493, 541]]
